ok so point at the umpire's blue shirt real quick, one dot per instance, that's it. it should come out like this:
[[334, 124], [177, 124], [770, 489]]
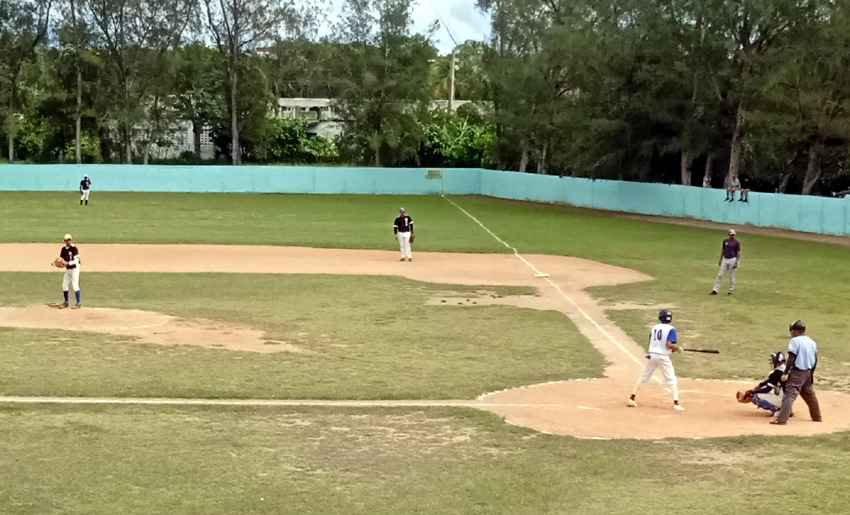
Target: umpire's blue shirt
[[806, 351]]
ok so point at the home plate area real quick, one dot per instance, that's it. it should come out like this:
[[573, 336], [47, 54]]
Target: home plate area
[[596, 408]]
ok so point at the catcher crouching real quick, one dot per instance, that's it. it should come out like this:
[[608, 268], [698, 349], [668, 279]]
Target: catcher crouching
[[768, 394]]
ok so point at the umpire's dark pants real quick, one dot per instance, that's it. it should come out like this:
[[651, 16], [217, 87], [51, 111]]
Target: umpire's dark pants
[[800, 383]]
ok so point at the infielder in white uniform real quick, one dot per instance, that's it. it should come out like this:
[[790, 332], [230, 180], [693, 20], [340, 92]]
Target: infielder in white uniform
[[403, 230], [662, 341], [71, 256]]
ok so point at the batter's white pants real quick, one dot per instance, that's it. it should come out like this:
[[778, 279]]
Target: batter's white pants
[[85, 195], [726, 265], [658, 361], [404, 244], [72, 277]]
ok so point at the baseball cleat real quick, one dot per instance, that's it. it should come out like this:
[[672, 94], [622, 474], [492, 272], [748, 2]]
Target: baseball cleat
[[678, 408], [777, 423], [410, 260], [631, 404], [402, 259], [77, 306], [63, 306], [730, 293], [713, 292]]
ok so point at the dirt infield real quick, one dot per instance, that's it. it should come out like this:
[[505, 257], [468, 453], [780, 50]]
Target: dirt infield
[[590, 409], [145, 327]]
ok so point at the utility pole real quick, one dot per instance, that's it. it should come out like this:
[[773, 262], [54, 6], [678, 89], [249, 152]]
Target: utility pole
[[452, 84]]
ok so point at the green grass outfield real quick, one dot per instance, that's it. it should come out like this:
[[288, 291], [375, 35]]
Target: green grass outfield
[[121, 459]]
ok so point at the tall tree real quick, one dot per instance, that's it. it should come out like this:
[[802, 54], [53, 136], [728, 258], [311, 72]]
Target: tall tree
[[753, 28], [75, 35], [383, 72], [135, 36], [239, 25], [199, 83], [807, 90], [23, 26]]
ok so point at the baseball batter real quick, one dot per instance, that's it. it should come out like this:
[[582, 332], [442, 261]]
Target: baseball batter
[[662, 341], [730, 258], [85, 189], [71, 256], [403, 229]]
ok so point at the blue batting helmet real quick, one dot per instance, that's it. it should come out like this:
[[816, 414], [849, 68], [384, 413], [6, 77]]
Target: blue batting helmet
[[665, 316]]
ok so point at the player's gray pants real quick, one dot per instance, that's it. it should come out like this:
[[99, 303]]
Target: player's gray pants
[[726, 265], [800, 382]]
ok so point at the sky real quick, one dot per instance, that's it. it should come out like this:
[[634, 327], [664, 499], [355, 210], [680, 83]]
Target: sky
[[462, 20]]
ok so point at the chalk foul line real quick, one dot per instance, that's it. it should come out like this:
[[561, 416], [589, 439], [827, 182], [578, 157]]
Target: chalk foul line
[[557, 288], [268, 402]]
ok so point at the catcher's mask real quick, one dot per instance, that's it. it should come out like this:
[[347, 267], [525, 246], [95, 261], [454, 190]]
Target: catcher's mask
[[665, 316], [777, 358]]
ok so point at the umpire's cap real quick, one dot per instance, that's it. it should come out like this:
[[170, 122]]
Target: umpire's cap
[[665, 315], [799, 325]]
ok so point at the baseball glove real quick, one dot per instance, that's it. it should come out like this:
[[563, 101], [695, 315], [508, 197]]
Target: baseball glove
[[744, 397], [59, 263], [412, 237]]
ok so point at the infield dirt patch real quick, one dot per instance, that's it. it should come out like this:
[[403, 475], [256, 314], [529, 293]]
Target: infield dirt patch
[[590, 409], [145, 327]]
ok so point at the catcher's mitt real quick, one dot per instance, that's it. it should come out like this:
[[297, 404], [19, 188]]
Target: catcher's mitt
[[59, 263], [412, 237], [744, 397]]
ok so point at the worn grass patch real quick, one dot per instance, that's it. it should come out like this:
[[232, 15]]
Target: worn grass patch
[[364, 337], [140, 460]]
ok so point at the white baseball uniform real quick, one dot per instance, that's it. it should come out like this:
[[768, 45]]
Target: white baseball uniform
[[659, 357]]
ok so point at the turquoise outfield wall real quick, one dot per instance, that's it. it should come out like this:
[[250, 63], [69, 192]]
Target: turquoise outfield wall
[[799, 213], [226, 179]]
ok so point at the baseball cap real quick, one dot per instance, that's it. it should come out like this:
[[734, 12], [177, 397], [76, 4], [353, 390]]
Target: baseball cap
[[68, 237], [401, 210], [732, 232]]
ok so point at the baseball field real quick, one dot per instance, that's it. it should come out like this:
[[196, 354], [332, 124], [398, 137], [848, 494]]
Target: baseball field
[[266, 354]]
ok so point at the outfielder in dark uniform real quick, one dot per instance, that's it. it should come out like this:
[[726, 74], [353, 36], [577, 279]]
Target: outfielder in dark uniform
[[85, 189]]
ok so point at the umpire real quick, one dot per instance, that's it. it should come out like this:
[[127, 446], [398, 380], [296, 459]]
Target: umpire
[[799, 374]]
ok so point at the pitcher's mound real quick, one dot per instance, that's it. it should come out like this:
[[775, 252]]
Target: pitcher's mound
[[146, 326], [596, 408]]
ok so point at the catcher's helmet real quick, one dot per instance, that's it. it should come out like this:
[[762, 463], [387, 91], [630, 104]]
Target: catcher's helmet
[[798, 325], [665, 316], [777, 358]]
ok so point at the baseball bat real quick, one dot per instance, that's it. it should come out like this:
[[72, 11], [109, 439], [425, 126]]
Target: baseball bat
[[706, 351]]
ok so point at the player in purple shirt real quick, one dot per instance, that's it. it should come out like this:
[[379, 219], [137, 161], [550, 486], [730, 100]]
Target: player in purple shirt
[[730, 258]]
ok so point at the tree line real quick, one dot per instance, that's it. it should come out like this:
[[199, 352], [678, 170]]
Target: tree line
[[676, 91]]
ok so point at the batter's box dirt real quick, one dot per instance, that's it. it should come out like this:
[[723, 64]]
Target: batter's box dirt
[[145, 326]]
